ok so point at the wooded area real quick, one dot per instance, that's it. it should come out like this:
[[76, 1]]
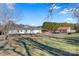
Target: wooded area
[[54, 25]]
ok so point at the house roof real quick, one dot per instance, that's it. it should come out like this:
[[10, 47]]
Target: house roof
[[34, 28], [14, 26], [25, 27], [63, 28]]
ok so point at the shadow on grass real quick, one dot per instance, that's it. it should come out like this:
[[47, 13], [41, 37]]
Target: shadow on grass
[[72, 40], [51, 50]]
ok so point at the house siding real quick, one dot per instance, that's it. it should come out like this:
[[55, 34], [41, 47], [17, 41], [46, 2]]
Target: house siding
[[28, 31]]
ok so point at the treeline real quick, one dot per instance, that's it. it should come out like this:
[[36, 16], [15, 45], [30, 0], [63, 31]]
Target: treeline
[[54, 25]]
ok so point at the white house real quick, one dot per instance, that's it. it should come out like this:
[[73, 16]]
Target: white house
[[30, 30], [36, 30], [16, 32]]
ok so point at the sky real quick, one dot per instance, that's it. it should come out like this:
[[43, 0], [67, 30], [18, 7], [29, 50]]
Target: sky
[[35, 13]]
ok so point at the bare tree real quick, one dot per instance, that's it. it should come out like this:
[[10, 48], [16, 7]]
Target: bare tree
[[8, 18], [76, 16], [5, 15]]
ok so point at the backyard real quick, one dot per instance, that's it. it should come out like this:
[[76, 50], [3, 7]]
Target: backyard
[[64, 42], [44, 44]]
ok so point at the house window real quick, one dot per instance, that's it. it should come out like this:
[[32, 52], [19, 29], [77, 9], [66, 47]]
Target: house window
[[17, 30], [21, 30], [26, 30]]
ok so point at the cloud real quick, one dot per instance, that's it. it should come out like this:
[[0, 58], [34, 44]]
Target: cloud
[[70, 20], [10, 6], [64, 11], [67, 10], [54, 6]]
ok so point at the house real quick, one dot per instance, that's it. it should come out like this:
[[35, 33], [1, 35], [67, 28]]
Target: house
[[36, 30], [25, 30], [20, 31], [64, 29]]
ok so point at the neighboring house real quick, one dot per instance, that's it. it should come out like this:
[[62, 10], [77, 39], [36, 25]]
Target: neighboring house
[[36, 30], [25, 30], [20, 31], [66, 30], [12, 28]]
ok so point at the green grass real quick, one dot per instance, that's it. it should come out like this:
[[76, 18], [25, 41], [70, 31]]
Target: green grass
[[61, 44]]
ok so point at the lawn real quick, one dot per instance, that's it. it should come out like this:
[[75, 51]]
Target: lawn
[[43, 45], [69, 43]]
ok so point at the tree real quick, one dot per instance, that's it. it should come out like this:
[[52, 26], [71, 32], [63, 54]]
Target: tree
[[8, 16], [76, 15], [54, 26]]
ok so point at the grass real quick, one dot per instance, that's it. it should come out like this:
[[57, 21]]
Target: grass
[[61, 44], [38, 52]]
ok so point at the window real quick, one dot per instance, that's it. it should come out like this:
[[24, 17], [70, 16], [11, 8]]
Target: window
[[17, 30], [21, 30]]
